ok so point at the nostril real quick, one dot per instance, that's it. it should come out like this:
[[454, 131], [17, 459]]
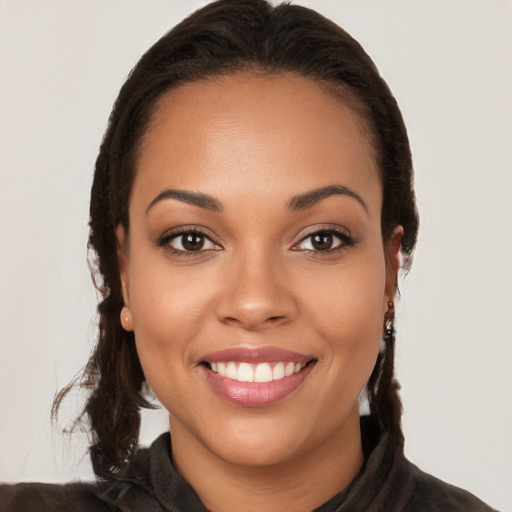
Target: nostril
[[275, 318]]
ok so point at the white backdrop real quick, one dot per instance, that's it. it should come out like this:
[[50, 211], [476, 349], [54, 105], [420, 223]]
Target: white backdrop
[[449, 65]]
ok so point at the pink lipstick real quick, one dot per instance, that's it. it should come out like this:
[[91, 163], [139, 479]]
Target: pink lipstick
[[255, 377]]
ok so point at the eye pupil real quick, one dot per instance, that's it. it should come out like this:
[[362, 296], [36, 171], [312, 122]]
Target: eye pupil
[[193, 242], [322, 241]]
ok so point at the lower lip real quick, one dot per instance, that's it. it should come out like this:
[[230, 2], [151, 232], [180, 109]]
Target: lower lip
[[256, 394]]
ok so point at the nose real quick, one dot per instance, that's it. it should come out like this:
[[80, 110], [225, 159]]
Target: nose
[[256, 294]]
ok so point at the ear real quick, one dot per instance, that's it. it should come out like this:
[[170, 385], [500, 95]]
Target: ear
[[122, 258], [393, 261]]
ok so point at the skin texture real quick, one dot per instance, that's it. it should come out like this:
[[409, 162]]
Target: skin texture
[[253, 143]]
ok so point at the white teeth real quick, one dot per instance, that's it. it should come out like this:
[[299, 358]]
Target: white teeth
[[245, 373], [262, 372], [278, 371], [231, 371]]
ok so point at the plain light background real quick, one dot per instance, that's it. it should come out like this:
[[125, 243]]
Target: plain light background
[[449, 66]]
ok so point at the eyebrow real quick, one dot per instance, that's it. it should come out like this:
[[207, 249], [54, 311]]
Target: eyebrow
[[194, 198], [309, 199], [298, 202]]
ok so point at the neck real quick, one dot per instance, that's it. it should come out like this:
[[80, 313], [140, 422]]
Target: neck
[[301, 483]]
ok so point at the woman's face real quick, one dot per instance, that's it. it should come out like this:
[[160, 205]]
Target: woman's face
[[255, 253]]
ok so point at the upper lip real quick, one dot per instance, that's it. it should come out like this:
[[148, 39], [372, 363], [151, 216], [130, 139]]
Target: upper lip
[[257, 355]]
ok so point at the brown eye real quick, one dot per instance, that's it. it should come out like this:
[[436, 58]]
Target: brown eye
[[191, 242], [325, 241], [322, 241]]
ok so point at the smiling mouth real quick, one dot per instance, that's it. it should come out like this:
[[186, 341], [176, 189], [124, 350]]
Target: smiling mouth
[[260, 377], [260, 372]]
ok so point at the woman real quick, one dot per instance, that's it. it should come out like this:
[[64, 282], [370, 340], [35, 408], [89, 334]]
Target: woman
[[254, 182]]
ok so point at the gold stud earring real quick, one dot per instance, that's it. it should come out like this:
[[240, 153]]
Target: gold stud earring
[[126, 319]]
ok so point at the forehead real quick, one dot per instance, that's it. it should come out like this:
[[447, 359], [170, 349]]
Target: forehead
[[266, 133]]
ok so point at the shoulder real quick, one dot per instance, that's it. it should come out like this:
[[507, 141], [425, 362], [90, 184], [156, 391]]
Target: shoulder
[[131, 490], [38, 497], [429, 494], [77, 497]]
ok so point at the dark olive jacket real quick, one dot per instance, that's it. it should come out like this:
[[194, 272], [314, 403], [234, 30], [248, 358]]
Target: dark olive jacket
[[387, 483]]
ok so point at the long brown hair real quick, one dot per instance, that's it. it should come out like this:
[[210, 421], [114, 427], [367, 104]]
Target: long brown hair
[[227, 36]]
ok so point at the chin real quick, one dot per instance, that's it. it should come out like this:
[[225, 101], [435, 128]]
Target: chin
[[275, 439], [260, 450]]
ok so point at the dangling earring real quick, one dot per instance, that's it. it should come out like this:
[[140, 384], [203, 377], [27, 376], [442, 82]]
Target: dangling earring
[[389, 323], [126, 319]]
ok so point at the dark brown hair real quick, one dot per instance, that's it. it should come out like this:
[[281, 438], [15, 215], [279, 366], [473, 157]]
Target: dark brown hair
[[226, 37]]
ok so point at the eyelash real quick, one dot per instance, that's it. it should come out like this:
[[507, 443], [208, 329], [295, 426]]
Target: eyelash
[[167, 238], [345, 239]]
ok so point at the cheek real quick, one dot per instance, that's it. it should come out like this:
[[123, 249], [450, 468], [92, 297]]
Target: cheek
[[169, 310], [351, 294], [346, 309]]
